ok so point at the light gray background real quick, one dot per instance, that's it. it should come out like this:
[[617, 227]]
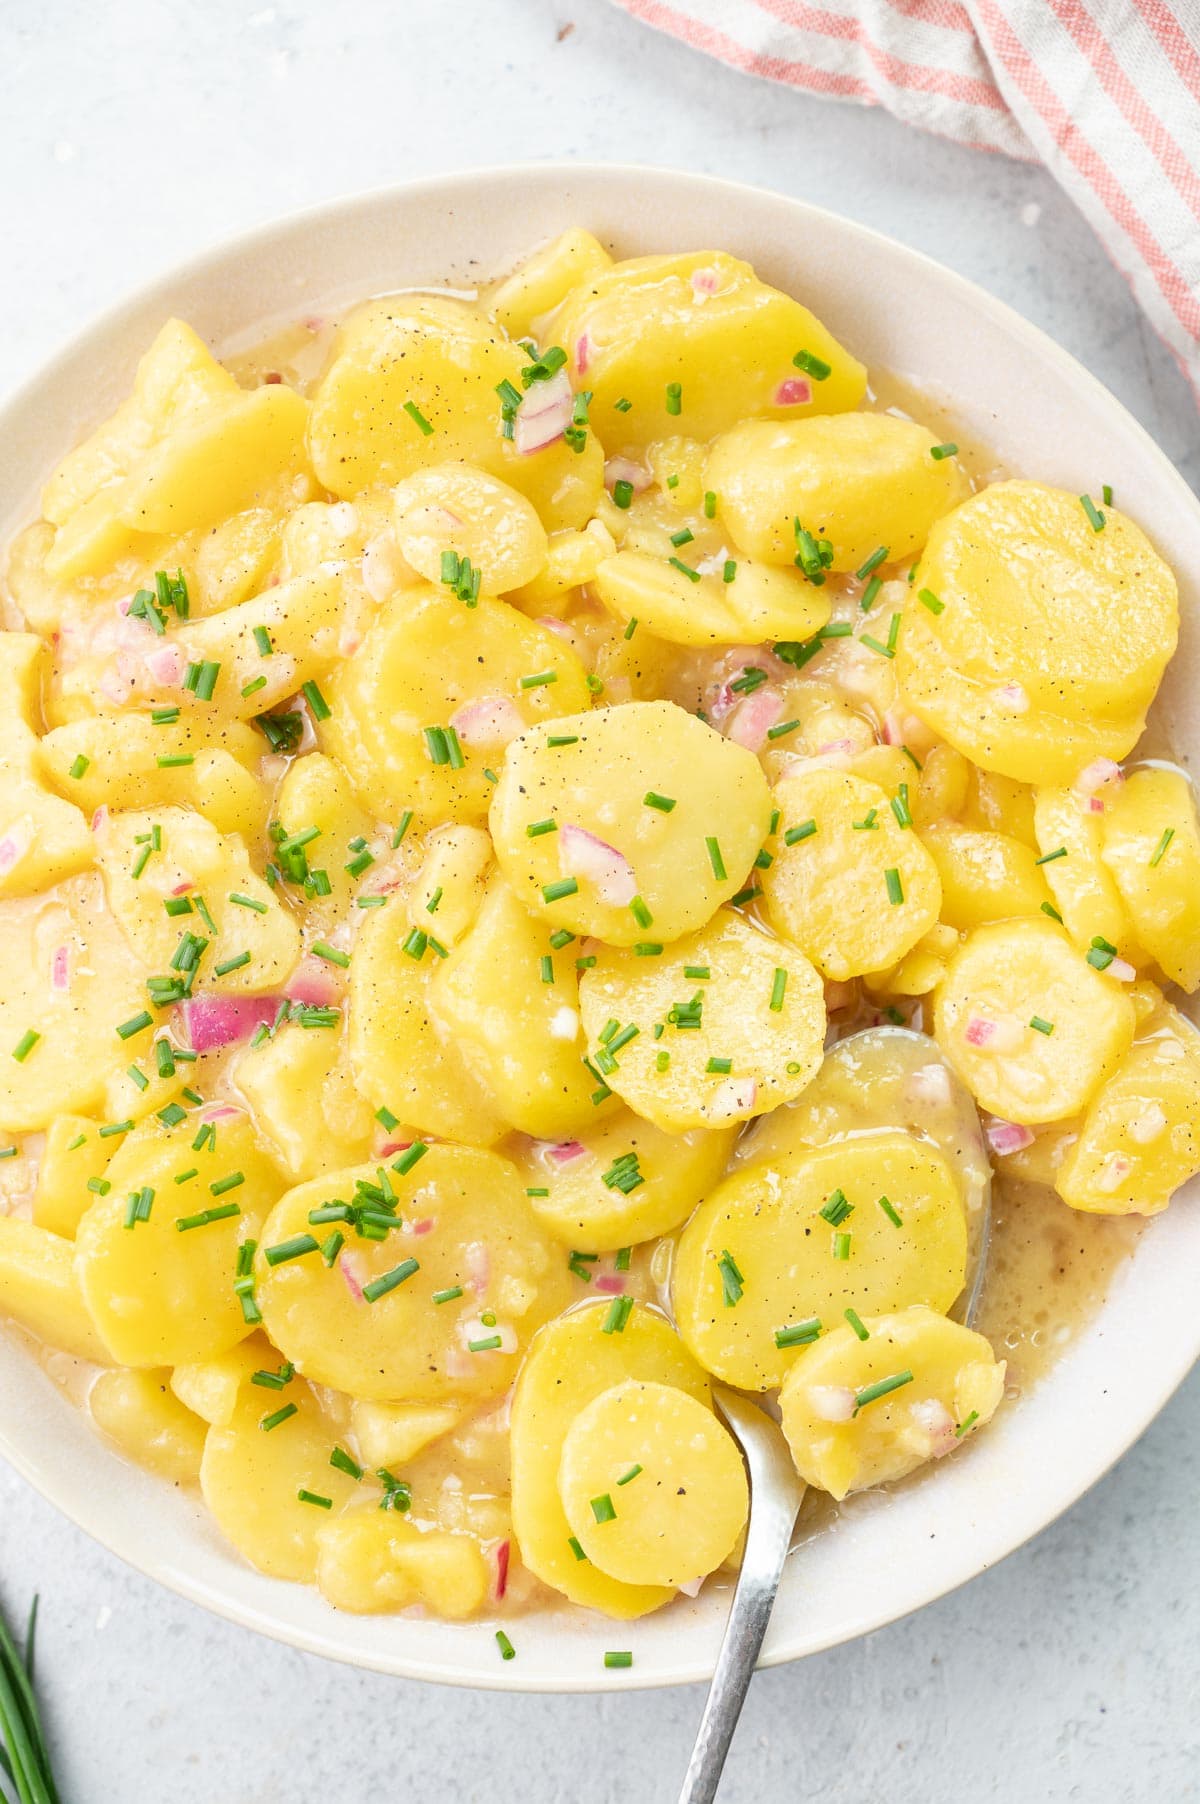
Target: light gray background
[[132, 134]]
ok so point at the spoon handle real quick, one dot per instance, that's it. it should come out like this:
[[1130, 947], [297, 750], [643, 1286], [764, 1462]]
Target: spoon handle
[[775, 1495]]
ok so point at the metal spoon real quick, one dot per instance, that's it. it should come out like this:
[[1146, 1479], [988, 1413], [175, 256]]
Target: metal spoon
[[776, 1491]]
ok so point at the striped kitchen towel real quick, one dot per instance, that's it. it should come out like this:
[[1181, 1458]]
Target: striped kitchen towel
[[1106, 93]]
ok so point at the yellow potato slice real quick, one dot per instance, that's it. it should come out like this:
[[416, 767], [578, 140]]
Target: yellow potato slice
[[400, 1060], [73, 1153], [1140, 1138], [1031, 1028], [461, 510], [391, 1434], [210, 1388], [702, 320], [121, 755], [616, 865], [193, 856], [228, 458], [572, 1361], [521, 301], [371, 1560], [707, 1050], [509, 1003], [759, 1262], [843, 1438], [431, 663], [860, 480], [625, 1181], [1151, 844], [313, 621], [158, 1293], [994, 803], [984, 876], [652, 1485], [697, 606], [848, 884], [464, 1226], [449, 888], [303, 1100], [252, 1475], [1070, 839], [137, 1409], [39, 1289], [316, 792], [67, 975], [1033, 632]]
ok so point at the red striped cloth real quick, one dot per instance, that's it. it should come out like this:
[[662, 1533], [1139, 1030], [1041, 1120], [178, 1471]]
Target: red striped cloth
[[1106, 93]]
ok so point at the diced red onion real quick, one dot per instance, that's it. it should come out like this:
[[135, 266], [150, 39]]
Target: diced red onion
[[705, 283], [831, 1402], [980, 1031], [544, 414], [733, 1098], [11, 851], [219, 1111], [582, 854], [494, 720], [349, 1268], [624, 469], [582, 354], [166, 664], [501, 1556], [424, 1226], [214, 1021], [935, 1419], [752, 721], [100, 819], [311, 982], [1116, 1170], [1149, 1124], [60, 968], [1097, 775], [1005, 1137], [930, 1085], [1013, 697], [1122, 970], [566, 1150], [690, 1587], [793, 391], [610, 1285]]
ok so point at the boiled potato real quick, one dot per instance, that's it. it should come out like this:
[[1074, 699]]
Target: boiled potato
[[137, 1409], [449, 888], [42, 838], [432, 665], [1070, 840], [509, 1004], [391, 1434], [313, 622], [1031, 1028], [461, 510], [39, 1289], [303, 1100], [712, 1049], [984, 876], [400, 1060], [626, 1181], [760, 1259], [853, 889], [67, 975], [616, 864], [1140, 1138], [860, 480], [194, 857], [121, 756], [413, 382], [73, 1153], [252, 1475], [697, 606], [1151, 844], [704, 321], [536, 287], [993, 803], [210, 1388], [161, 1294], [223, 460], [572, 559], [571, 1362], [1035, 657], [843, 1439], [463, 1226], [316, 792], [375, 1560], [652, 1485]]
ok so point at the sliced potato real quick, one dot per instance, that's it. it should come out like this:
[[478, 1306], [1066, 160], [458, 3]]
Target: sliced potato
[[871, 1224], [848, 884], [302, 1096], [652, 1485], [712, 1049], [847, 1430], [73, 1153], [371, 1560], [39, 1289], [1151, 844], [984, 876], [739, 602], [1031, 1028], [456, 509], [390, 1434], [138, 1410], [1070, 839], [521, 301], [615, 864]]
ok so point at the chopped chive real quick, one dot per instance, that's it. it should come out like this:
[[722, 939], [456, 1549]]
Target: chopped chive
[[251, 688], [207, 1216], [489, 1344], [715, 859], [732, 1281], [410, 1157], [547, 968], [684, 536], [315, 700], [341, 1461], [231, 964], [856, 1322], [402, 829], [622, 493], [619, 1311], [693, 576], [813, 366], [1101, 953], [628, 1477], [1094, 517], [784, 727], [101, 1186], [885, 651], [890, 1210], [240, 901], [664, 804], [206, 680], [379, 1287], [539, 678], [536, 829], [869, 594], [603, 1509], [895, 889], [968, 1422], [415, 943], [1048, 908], [799, 1334], [841, 1246], [331, 954], [418, 419], [556, 892], [1160, 851], [929, 600], [115, 1127], [794, 835], [640, 912], [881, 1388], [631, 629], [618, 1658], [938, 452], [778, 989], [1049, 857], [135, 1024], [280, 1415], [556, 739], [321, 1503], [872, 563], [164, 717], [231, 1181], [729, 570], [25, 1046], [836, 1209], [507, 1650], [674, 399], [295, 1248], [1041, 1026], [79, 766]]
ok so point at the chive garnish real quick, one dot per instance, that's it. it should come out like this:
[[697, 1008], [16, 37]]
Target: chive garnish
[[715, 859], [418, 418], [79, 766], [1049, 857], [448, 1296], [813, 366], [881, 1388], [1160, 851], [794, 835], [841, 1246], [693, 576], [507, 1650], [856, 1322], [938, 452], [1094, 517], [557, 892], [1041, 1026], [295, 1248], [135, 1024], [379, 1287], [732, 1280], [664, 804], [25, 1046], [799, 1334], [929, 600], [889, 1209], [619, 1311], [895, 889], [280, 1415], [206, 1216], [674, 398], [603, 1509]]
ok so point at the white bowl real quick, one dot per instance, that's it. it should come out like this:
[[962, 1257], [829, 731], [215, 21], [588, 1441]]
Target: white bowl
[[1047, 417]]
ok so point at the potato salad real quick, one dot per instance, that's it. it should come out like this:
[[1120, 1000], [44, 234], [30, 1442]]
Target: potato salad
[[551, 846]]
